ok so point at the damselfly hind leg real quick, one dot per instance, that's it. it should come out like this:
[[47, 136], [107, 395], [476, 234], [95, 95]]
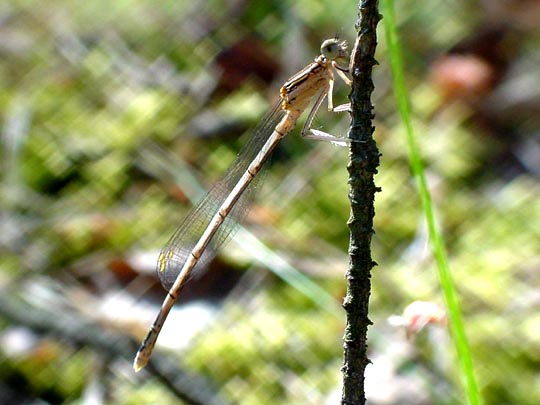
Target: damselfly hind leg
[[310, 133], [343, 108]]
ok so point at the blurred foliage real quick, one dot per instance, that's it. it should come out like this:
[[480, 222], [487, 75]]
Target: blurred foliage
[[114, 117]]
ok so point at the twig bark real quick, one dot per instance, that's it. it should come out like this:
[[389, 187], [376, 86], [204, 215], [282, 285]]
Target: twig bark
[[364, 160]]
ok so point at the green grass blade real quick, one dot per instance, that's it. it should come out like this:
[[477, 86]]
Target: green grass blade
[[452, 302]]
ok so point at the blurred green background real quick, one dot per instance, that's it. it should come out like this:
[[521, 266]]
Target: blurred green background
[[115, 116]]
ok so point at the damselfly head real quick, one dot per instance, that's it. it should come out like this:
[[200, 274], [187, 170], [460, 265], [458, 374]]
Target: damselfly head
[[334, 48]]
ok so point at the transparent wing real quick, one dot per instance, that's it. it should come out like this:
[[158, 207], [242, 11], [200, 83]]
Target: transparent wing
[[181, 243]]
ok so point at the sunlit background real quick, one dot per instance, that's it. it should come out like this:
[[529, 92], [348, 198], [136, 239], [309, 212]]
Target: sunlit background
[[117, 115]]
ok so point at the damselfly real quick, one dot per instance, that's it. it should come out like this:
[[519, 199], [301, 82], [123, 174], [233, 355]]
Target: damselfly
[[205, 224]]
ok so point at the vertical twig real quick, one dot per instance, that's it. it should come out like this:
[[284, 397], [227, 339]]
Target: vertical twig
[[364, 160]]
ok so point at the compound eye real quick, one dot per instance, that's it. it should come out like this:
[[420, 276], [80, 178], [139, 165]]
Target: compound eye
[[330, 49], [333, 49]]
